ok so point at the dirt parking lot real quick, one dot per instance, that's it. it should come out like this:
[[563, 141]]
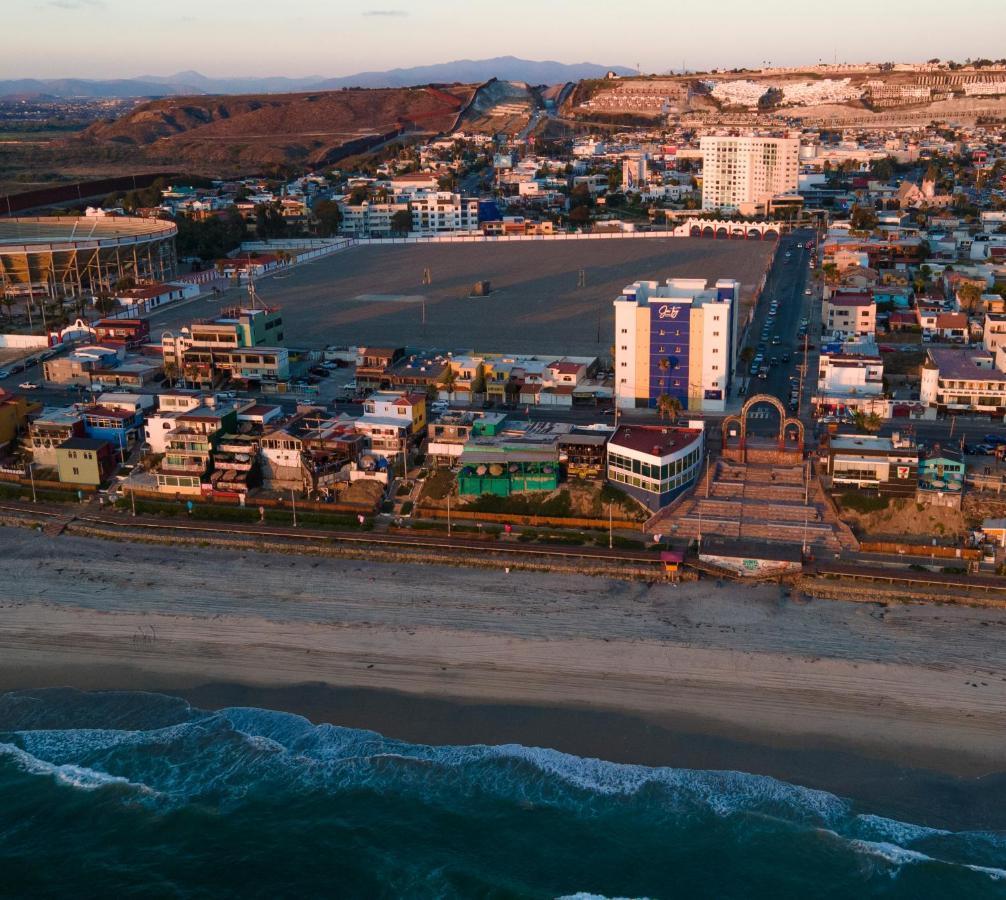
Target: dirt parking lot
[[375, 295]]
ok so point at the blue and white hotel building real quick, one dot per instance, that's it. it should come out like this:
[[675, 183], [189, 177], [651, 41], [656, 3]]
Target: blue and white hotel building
[[678, 338]]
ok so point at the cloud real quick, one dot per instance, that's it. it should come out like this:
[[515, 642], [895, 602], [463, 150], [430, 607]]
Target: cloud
[[390, 13]]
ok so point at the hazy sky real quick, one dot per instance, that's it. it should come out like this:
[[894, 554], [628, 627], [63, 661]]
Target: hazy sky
[[118, 38]]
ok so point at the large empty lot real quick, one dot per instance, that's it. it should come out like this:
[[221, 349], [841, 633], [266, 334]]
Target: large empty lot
[[375, 295]]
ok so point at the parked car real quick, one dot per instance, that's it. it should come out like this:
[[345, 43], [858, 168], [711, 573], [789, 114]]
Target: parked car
[[4, 373], [995, 439], [807, 291], [786, 357], [16, 368], [28, 386]]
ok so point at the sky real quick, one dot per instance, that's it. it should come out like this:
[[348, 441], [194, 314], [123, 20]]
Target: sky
[[127, 38]]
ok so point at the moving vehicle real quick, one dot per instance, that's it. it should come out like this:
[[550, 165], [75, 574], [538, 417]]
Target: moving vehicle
[[763, 372], [28, 386]]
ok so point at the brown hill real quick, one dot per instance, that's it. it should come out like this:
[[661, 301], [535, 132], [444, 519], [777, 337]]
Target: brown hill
[[253, 130]]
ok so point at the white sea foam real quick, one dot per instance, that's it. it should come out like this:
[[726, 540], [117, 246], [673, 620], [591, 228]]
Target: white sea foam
[[892, 853], [80, 777]]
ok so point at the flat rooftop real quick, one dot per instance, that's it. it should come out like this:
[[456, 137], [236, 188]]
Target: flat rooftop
[[374, 295]]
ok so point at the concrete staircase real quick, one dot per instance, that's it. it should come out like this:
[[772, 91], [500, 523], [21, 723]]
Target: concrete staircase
[[760, 503]]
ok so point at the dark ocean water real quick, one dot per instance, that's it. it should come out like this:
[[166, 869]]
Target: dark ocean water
[[132, 794]]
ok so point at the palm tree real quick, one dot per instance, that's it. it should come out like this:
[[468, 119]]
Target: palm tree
[[448, 380], [747, 355], [8, 303], [668, 407]]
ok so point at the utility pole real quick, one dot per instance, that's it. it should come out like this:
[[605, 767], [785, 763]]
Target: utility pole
[[611, 534], [448, 514], [293, 501], [31, 475], [132, 501]]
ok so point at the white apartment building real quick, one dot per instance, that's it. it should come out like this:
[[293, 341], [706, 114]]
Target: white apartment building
[[848, 315], [962, 380], [740, 170], [678, 339], [370, 218], [435, 211]]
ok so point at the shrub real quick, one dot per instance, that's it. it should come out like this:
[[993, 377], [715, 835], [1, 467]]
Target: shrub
[[406, 507], [863, 503]]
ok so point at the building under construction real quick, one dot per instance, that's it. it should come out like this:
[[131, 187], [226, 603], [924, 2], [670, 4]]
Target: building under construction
[[70, 257]]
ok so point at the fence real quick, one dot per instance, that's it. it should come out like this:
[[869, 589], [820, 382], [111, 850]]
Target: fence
[[899, 549], [267, 502], [505, 518]]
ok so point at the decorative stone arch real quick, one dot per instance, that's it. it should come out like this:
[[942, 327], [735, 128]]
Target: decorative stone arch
[[707, 231], [754, 233], [788, 426], [722, 232], [770, 233], [695, 231]]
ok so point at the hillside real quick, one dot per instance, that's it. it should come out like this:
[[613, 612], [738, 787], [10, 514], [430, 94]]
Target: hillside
[[264, 129]]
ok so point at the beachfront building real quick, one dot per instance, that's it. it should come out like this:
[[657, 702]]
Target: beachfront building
[[49, 430], [870, 462], [85, 461], [677, 339], [448, 434], [738, 170], [503, 469], [655, 463], [941, 477]]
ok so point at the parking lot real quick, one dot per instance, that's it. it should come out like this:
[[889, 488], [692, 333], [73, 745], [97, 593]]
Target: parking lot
[[375, 295]]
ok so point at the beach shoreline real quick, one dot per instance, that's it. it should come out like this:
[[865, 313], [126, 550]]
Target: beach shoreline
[[698, 676]]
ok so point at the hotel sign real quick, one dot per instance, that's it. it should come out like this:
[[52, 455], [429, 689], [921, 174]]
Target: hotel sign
[[668, 312]]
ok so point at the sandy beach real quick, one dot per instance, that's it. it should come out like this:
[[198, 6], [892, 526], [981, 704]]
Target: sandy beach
[[919, 686]]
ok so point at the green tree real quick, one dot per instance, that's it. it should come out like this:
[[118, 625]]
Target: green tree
[[668, 407], [579, 215], [328, 217], [401, 221], [448, 381], [969, 295], [863, 218], [269, 221]]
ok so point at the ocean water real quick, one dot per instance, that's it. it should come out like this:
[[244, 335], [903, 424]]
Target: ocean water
[[141, 795]]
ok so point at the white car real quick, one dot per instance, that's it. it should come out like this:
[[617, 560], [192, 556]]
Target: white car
[[28, 386]]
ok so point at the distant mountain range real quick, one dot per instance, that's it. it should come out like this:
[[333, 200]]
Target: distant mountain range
[[469, 71]]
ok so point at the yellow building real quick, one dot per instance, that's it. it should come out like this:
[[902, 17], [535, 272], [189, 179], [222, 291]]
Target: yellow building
[[14, 412]]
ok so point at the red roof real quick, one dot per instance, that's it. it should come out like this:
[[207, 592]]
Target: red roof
[[851, 300], [952, 320], [657, 440]]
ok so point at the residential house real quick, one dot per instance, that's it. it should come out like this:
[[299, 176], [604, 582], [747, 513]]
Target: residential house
[[84, 461], [128, 333], [120, 427], [49, 430], [374, 364]]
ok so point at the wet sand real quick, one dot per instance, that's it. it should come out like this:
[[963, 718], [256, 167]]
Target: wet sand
[[919, 687]]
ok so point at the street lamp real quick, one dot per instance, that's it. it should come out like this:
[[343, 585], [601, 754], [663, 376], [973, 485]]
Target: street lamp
[[31, 476]]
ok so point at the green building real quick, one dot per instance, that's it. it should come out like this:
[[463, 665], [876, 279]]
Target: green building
[[505, 470]]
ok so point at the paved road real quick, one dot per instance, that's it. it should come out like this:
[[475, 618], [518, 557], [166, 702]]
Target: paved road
[[786, 282]]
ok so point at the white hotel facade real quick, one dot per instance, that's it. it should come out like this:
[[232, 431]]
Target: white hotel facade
[[741, 170], [678, 339]]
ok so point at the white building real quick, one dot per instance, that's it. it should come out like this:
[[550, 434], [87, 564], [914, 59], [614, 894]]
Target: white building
[[635, 173], [962, 380], [368, 219], [444, 211], [740, 170], [678, 339]]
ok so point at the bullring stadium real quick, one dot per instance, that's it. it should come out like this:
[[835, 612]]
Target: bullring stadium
[[70, 256]]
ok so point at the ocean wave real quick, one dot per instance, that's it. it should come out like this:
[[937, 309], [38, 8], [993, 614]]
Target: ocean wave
[[80, 777], [221, 760]]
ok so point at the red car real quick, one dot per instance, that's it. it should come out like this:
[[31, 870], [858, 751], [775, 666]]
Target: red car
[[887, 348]]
